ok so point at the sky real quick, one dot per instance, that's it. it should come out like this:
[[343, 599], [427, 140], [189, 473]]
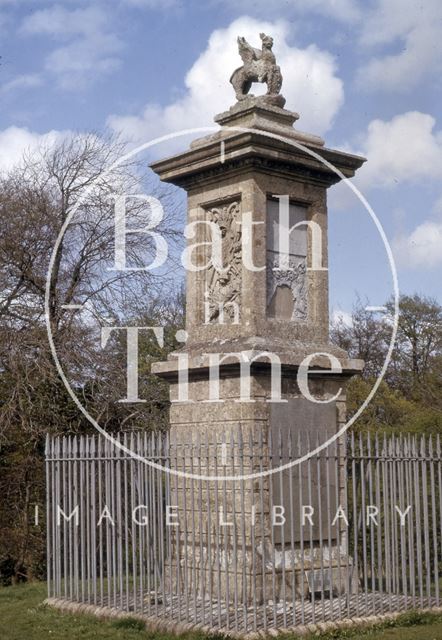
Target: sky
[[366, 76]]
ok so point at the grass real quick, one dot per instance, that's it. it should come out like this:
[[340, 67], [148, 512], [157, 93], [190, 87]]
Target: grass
[[22, 615], [413, 625]]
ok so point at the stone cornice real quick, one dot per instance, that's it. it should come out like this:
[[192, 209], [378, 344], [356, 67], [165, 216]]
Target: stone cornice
[[254, 150]]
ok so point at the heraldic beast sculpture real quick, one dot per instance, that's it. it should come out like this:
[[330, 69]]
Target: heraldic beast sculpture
[[259, 66]]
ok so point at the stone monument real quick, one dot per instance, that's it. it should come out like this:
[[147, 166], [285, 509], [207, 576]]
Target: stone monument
[[267, 302]]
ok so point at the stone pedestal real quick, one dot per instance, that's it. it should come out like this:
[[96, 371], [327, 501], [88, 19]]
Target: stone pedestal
[[252, 168]]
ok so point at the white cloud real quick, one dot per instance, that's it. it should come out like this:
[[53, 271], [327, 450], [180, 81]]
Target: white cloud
[[310, 85], [152, 4], [420, 249], [415, 29], [78, 62], [403, 149], [437, 208], [15, 141], [25, 81], [89, 49], [62, 22], [341, 10]]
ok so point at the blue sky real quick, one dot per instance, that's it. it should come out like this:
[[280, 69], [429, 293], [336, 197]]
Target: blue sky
[[366, 76]]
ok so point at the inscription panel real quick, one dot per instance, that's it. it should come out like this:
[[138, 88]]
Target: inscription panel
[[302, 425]]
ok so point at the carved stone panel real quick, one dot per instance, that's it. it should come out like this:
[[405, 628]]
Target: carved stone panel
[[287, 288], [223, 287]]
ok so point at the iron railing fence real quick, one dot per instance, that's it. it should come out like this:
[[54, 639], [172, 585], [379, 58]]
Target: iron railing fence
[[352, 531]]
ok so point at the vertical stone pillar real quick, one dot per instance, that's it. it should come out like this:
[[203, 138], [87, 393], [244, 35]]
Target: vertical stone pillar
[[260, 171]]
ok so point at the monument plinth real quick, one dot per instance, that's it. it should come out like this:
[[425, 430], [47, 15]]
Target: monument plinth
[[252, 178]]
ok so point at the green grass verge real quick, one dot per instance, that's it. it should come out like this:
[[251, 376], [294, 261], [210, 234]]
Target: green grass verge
[[413, 625], [22, 615]]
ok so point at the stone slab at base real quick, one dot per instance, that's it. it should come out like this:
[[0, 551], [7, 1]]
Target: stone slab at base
[[155, 623]]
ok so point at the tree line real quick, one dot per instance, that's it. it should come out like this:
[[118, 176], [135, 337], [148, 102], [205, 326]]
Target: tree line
[[36, 199]]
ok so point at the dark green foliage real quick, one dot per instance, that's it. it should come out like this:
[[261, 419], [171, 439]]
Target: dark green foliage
[[409, 400], [390, 411]]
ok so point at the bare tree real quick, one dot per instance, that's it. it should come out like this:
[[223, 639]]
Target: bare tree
[[416, 367], [366, 337], [419, 338], [69, 181]]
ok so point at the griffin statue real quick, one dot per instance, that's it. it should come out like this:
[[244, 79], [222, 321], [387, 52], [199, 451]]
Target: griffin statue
[[259, 66]]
